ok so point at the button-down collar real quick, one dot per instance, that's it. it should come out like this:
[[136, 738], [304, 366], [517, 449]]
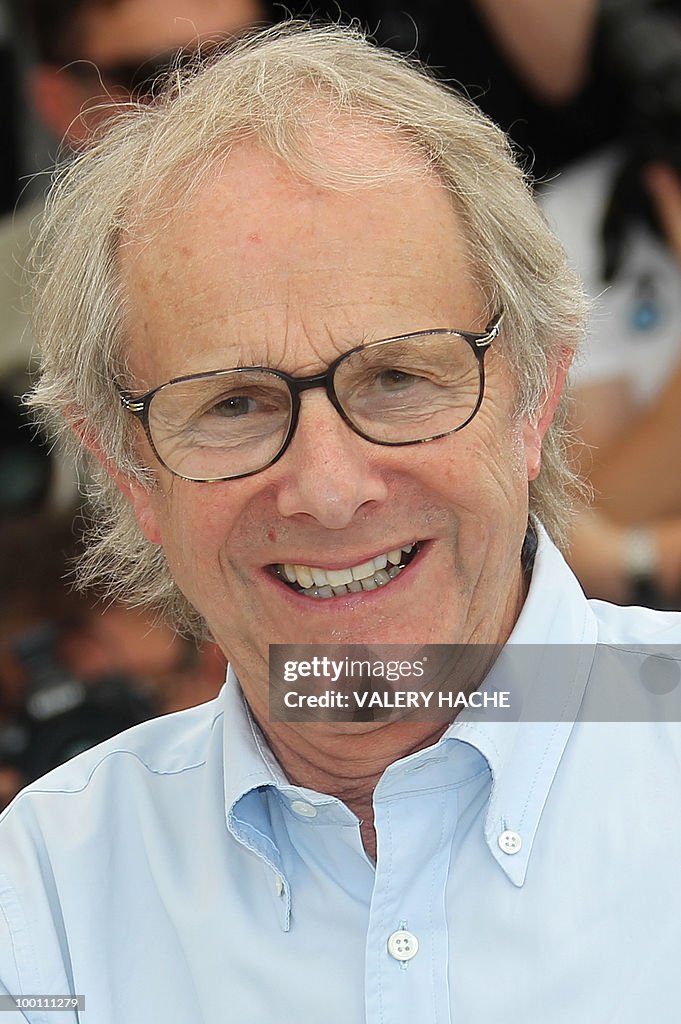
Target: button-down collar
[[524, 756]]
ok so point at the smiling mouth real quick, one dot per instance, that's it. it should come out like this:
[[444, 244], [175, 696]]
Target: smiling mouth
[[311, 581]]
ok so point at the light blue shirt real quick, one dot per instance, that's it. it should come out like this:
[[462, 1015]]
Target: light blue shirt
[[173, 876]]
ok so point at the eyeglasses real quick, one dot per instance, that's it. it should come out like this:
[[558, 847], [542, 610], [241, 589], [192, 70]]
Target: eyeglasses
[[227, 424]]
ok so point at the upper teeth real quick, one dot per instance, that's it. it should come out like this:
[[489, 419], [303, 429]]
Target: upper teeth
[[307, 576]]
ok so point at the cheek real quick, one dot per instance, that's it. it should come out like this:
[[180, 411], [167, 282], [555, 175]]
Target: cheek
[[483, 475], [201, 526], [186, 531]]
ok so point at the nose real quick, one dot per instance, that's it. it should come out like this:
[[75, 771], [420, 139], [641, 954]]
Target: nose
[[328, 472]]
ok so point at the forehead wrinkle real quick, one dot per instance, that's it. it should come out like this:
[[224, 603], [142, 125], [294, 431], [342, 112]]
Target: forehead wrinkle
[[236, 332], [325, 344], [194, 261], [302, 280]]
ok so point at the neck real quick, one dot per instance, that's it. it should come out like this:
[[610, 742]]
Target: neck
[[347, 761]]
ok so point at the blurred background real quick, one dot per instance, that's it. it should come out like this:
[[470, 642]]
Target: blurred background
[[590, 93]]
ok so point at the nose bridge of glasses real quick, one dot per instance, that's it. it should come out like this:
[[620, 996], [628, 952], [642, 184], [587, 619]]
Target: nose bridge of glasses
[[317, 380], [324, 381]]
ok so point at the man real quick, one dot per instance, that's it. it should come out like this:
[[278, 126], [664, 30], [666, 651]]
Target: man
[[307, 319]]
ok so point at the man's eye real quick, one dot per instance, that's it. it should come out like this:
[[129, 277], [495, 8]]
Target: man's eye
[[235, 405], [395, 380]]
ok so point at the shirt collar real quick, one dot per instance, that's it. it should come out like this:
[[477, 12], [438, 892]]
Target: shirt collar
[[249, 763], [249, 766], [524, 755]]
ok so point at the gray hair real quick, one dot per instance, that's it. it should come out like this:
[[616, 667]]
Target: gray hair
[[270, 87]]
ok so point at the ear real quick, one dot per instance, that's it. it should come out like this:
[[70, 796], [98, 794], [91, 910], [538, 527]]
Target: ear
[[142, 499], [536, 425]]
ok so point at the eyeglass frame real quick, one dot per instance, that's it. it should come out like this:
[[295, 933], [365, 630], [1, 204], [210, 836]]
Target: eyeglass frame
[[479, 342]]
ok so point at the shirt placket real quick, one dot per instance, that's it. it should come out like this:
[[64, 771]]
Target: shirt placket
[[407, 942]]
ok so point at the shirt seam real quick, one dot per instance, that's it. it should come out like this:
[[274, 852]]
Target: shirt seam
[[75, 790]]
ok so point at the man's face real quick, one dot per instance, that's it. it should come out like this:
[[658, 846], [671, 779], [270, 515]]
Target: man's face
[[264, 270]]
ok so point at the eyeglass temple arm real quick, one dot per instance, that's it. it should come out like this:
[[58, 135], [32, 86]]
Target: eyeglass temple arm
[[491, 332], [133, 405]]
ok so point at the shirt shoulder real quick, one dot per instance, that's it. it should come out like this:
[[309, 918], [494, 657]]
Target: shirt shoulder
[[170, 745], [635, 679], [94, 825], [619, 625]]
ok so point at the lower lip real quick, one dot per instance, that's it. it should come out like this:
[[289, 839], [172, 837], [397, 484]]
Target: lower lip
[[352, 600]]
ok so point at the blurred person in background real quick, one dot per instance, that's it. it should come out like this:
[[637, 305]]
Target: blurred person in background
[[618, 213], [73, 669], [86, 56], [526, 63]]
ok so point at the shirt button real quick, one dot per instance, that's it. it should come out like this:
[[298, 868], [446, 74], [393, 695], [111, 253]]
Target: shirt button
[[306, 810], [279, 885], [509, 842], [403, 945]]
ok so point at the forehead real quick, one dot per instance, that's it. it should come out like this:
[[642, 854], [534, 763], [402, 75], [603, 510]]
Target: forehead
[[130, 29], [262, 267]]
